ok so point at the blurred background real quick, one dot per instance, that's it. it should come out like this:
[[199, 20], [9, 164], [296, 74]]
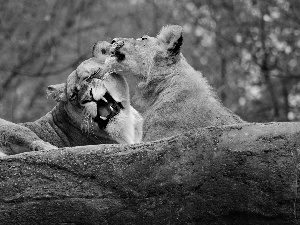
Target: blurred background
[[248, 50]]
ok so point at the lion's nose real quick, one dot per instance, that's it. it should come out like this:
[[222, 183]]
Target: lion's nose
[[114, 40], [117, 43]]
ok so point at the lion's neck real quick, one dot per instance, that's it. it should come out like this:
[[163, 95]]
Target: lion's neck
[[63, 125], [72, 131], [160, 80], [58, 128], [178, 99]]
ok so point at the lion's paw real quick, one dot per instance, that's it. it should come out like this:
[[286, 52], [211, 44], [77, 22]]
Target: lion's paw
[[41, 145]]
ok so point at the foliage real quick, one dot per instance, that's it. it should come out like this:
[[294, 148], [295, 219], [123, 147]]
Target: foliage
[[248, 50]]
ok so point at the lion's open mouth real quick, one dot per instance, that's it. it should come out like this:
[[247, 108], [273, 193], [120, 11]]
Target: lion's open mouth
[[107, 108]]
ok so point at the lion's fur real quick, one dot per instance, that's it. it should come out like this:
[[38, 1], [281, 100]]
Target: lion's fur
[[15, 138], [70, 122], [173, 97]]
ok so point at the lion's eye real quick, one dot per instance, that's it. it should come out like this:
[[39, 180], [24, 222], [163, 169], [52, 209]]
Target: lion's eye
[[144, 38], [89, 78]]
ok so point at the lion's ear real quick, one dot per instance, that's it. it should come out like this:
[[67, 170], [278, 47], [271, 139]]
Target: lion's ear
[[57, 92], [101, 50], [71, 89], [171, 37]]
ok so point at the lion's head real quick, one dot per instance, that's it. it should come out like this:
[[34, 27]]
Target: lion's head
[[98, 101], [142, 55], [147, 60]]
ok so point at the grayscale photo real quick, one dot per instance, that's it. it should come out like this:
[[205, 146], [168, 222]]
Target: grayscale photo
[[149, 112]]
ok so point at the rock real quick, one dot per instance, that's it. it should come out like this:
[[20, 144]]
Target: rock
[[240, 174]]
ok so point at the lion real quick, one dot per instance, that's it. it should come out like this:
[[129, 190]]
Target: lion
[[93, 107], [171, 95]]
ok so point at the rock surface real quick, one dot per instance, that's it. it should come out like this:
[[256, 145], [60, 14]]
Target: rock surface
[[240, 174]]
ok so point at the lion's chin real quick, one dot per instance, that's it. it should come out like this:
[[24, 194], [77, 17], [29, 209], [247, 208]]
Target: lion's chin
[[107, 108]]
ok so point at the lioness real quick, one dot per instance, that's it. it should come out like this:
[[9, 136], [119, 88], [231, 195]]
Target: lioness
[[93, 108], [172, 96]]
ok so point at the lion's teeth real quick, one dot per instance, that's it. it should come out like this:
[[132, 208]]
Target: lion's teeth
[[103, 118], [104, 99]]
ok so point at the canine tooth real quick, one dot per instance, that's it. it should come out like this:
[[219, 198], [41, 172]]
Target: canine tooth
[[104, 99], [103, 117]]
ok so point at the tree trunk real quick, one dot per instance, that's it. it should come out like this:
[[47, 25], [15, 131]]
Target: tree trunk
[[285, 95], [240, 174], [223, 78], [264, 66]]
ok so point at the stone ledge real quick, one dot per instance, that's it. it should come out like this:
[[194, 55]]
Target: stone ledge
[[240, 174]]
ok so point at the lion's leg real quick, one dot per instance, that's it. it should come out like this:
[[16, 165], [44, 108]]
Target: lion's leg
[[126, 127], [39, 145], [16, 139], [138, 125]]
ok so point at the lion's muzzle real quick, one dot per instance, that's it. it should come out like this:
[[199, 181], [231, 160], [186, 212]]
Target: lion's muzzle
[[116, 45], [100, 104]]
